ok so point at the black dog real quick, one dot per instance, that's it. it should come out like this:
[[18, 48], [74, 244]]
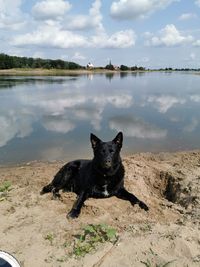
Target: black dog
[[101, 177]]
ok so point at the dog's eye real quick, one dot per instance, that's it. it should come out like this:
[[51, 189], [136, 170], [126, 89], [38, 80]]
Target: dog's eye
[[111, 150], [104, 151]]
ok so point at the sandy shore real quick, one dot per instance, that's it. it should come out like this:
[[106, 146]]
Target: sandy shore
[[51, 72], [62, 72], [35, 230]]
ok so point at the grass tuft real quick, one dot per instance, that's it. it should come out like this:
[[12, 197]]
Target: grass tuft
[[91, 236]]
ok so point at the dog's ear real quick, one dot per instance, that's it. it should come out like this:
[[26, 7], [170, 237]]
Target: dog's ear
[[94, 140], [118, 139]]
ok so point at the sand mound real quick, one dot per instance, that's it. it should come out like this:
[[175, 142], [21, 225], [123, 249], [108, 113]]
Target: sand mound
[[34, 228]]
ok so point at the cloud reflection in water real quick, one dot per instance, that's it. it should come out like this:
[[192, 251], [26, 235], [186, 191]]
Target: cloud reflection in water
[[136, 127]]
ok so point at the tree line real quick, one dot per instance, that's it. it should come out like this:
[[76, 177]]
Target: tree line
[[9, 62], [110, 66]]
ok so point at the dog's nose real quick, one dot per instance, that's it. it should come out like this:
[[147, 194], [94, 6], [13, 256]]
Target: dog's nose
[[108, 163]]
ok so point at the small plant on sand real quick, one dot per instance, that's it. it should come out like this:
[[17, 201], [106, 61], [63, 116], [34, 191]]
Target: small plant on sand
[[91, 236], [5, 187], [49, 237]]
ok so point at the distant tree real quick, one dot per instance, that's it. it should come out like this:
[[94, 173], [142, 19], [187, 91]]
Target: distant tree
[[109, 67], [141, 68], [134, 68], [73, 66], [123, 67]]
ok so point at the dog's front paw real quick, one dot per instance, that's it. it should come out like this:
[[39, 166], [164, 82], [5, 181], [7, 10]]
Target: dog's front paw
[[73, 214], [143, 206]]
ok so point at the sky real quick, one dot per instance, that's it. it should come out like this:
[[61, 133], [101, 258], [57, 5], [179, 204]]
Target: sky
[[148, 33]]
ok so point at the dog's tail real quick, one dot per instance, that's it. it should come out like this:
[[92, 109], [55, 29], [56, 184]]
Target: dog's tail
[[46, 189]]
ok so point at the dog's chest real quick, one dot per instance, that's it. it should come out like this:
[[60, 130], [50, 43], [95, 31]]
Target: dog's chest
[[101, 190], [105, 190]]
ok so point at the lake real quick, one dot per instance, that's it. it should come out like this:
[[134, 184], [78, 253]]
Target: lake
[[51, 118]]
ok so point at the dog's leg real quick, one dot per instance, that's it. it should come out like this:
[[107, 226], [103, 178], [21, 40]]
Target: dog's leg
[[50, 188], [76, 209], [47, 189], [124, 194], [59, 181]]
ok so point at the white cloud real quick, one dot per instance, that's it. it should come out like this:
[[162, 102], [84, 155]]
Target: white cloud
[[78, 56], [131, 9], [136, 127], [85, 22], [121, 39], [53, 36], [56, 29], [169, 36], [197, 2], [11, 16], [187, 16], [50, 36], [50, 9], [196, 43], [164, 102]]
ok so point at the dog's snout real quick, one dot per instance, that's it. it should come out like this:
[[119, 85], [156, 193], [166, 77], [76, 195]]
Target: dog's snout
[[108, 163]]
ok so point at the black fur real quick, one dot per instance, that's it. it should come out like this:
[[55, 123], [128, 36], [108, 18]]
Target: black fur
[[101, 177]]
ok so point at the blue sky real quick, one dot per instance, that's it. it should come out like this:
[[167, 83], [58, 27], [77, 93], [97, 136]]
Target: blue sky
[[149, 33]]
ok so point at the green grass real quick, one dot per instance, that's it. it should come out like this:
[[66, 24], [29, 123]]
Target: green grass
[[91, 236], [50, 238], [5, 187]]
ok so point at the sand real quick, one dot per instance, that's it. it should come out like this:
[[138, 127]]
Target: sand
[[35, 229]]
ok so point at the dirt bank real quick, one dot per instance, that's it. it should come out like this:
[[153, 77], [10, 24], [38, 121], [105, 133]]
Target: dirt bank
[[35, 230], [50, 72]]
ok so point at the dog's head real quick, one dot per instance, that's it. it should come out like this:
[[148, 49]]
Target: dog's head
[[106, 154]]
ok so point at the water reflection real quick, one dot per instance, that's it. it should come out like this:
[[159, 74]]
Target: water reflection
[[192, 125], [51, 117], [109, 75], [195, 98], [164, 102], [136, 127], [123, 74], [9, 82], [57, 110]]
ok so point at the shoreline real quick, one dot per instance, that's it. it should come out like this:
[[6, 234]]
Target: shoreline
[[62, 72], [49, 72], [124, 157]]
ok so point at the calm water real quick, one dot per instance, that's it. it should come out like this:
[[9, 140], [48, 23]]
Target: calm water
[[50, 118]]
